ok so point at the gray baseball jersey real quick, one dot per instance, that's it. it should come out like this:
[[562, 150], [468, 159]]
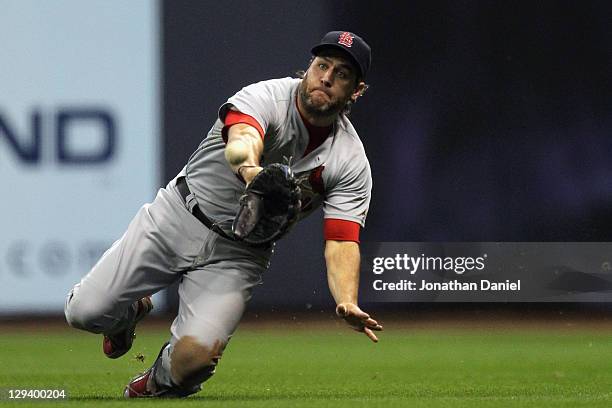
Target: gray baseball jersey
[[336, 174]]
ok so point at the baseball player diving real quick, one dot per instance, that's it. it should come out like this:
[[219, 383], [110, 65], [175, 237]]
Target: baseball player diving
[[279, 150]]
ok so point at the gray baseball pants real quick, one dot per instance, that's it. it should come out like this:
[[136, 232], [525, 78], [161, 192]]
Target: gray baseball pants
[[165, 243]]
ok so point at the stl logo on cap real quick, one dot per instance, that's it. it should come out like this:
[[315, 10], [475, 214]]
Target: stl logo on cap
[[345, 39]]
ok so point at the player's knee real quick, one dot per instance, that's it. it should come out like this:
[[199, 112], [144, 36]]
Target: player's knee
[[192, 362], [84, 315]]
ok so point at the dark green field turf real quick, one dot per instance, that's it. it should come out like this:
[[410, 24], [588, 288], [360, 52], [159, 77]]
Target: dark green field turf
[[319, 366]]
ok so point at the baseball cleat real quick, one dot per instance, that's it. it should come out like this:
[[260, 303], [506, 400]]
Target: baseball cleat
[[139, 387], [116, 345], [143, 385]]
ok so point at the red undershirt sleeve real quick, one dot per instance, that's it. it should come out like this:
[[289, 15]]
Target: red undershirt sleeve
[[234, 117], [340, 230]]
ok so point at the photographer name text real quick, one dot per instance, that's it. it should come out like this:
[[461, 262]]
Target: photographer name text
[[453, 285]]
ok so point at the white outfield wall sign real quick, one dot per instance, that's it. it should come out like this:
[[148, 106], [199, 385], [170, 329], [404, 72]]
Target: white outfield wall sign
[[79, 138]]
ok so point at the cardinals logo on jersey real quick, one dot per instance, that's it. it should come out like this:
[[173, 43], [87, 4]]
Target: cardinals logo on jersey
[[313, 189]]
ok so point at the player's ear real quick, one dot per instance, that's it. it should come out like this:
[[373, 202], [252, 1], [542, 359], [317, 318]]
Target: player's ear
[[359, 91]]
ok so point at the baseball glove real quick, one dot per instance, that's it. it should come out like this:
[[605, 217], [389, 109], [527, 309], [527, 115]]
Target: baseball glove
[[268, 207]]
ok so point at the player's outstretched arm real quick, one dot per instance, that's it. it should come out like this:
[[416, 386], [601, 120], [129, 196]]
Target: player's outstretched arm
[[342, 260], [243, 150]]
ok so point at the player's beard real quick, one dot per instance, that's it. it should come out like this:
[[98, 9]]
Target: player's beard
[[319, 110]]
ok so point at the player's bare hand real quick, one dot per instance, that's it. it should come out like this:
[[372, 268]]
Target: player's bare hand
[[358, 319]]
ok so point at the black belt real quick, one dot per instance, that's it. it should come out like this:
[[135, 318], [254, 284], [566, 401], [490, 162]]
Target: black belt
[[183, 189]]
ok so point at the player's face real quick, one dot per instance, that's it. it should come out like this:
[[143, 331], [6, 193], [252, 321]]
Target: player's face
[[329, 83]]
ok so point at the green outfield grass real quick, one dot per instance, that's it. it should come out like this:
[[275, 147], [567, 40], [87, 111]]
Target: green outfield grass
[[314, 366]]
